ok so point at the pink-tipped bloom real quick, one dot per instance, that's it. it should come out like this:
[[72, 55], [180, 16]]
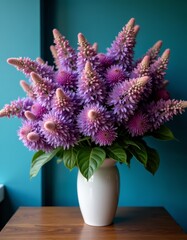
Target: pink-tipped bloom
[[122, 47], [126, 96], [64, 53], [86, 53], [158, 70], [26, 65], [163, 111], [92, 118], [43, 88], [16, 108], [90, 86], [31, 137], [57, 131]]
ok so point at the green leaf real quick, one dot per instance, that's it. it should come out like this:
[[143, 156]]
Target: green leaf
[[153, 160], [70, 158], [117, 153], [129, 142], [37, 154], [89, 160], [163, 133], [139, 153], [40, 160]]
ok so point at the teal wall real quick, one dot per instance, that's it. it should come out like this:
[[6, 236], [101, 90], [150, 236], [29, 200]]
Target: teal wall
[[20, 36], [100, 21]]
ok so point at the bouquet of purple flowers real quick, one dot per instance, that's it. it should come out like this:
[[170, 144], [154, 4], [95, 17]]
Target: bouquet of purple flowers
[[91, 106]]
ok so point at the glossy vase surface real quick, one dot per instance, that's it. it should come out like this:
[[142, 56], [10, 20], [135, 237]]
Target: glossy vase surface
[[98, 196]]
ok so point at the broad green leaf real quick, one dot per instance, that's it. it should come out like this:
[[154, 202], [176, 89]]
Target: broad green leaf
[[89, 160], [70, 158], [37, 154], [153, 160], [116, 152], [139, 153], [129, 142], [39, 161], [163, 133]]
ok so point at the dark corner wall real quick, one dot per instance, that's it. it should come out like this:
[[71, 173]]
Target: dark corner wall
[[26, 30]]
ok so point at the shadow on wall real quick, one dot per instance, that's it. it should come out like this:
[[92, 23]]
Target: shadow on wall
[[6, 210]]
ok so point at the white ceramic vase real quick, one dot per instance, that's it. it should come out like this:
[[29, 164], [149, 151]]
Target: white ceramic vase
[[98, 197]]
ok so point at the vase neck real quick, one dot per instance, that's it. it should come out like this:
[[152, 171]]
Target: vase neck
[[108, 162]]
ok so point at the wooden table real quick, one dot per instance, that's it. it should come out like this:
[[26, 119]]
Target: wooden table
[[140, 223]]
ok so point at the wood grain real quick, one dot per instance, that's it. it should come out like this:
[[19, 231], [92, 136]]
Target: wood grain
[[141, 223]]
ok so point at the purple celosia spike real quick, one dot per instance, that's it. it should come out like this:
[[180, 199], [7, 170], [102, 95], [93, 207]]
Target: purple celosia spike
[[58, 131], [28, 89], [138, 124], [26, 65], [141, 70], [125, 97], [92, 118], [65, 54], [44, 89], [86, 53], [122, 47], [16, 108], [31, 137], [115, 74], [105, 137], [163, 111], [67, 80], [63, 104], [90, 86], [158, 69], [154, 51]]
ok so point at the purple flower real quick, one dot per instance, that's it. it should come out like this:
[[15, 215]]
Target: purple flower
[[115, 74], [64, 104], [57, 131], [27, 66], [92, 118], [67, 80], [90, 86], [122, 48], [16, 108], [125, 97], [65, 54], [86, 53], [31, 137], [44, 89], [138, 124], [163, 111], [105, 137], [158, 70]]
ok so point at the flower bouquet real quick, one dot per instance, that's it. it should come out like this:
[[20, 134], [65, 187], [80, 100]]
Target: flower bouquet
[[91, 106]]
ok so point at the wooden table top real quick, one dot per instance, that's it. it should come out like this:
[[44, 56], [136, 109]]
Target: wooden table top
[[130, 223]]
